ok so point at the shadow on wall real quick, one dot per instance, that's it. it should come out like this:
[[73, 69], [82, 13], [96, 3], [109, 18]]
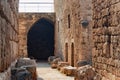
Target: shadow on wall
[[40, 39]]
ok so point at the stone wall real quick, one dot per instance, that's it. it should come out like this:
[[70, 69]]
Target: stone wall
[[26, 20], [8, 36], [106, 38], [72, 39], [59, 30]]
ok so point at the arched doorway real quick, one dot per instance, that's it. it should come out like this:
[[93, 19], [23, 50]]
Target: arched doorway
[[66, 52], [40, 40], [72, 54]]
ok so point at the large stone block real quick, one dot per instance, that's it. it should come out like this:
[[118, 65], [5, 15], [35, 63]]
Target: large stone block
[[20, 74], [25, 62], [69, 70], [55, 62], [32, 70], [86, 73], [50, 59], [29, 65], [62, 64]]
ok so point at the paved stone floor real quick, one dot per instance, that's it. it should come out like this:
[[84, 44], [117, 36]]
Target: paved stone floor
[[46, 73]]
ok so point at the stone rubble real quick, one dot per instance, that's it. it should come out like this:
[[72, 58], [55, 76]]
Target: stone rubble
[[25, 68], [86, 73], [55, 62]]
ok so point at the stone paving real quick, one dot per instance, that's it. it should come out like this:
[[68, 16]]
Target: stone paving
[[45, 72]]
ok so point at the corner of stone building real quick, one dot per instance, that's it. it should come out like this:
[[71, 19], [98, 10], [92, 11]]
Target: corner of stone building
[[69, 28]]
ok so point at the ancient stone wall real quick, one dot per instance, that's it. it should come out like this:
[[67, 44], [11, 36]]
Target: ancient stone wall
[[26, 20], [73, 40], [59, 30], [8, 36], [106, 38]]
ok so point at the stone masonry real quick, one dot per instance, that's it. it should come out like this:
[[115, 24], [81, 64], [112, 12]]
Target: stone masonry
[[26, 20], [72, 39], [106, 38], [100, 38], [8, 36], [86, 31]]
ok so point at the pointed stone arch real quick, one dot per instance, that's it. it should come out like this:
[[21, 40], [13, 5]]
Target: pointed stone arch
[[26, 21], [40, 39]]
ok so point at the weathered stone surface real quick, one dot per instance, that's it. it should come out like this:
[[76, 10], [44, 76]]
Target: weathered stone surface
[[25, 62], [68, 70], [72, 39], [8, 36], [20, 74], [50, 59], [54, 65], [29, 65], [86, 73], [6, 75], [62, 64], [55, 62], [106, 38], [32, 70]]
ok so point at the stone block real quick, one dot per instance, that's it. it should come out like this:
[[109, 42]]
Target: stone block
[[20, 74], [62, 64], [69, 70], [50, 59], [25, 62], [32, 70], [55, 62], [54, 66], [86, 73], [28, 65]]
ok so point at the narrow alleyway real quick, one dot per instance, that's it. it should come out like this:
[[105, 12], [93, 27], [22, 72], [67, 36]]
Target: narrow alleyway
[[45, 72]]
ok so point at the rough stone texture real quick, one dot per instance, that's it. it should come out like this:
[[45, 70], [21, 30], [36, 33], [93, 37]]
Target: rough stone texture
[[86, 73], [5, 75], [62, 64], [29, 65], [106, 38], [20, 74], [32, 70], [72, 39], [25, 62], [68, 70], [8, 36], [50, 59], [55, 62], [26, 20]]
